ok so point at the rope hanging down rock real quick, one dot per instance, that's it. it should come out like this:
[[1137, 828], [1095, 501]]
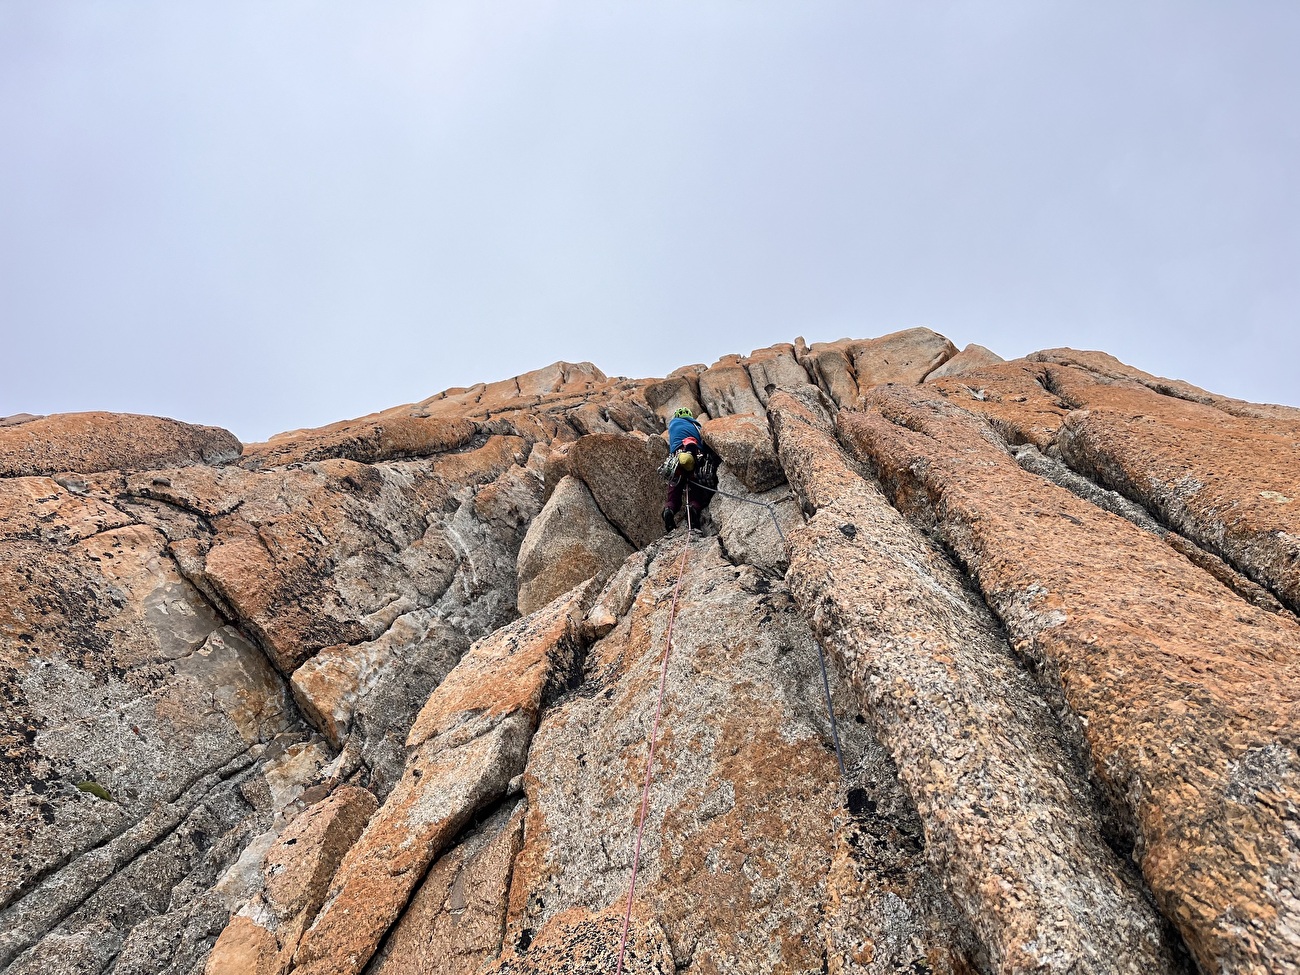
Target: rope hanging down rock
[[663, 683], [654, 734]]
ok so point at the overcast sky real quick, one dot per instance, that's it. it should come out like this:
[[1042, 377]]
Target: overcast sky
[[267, 215]]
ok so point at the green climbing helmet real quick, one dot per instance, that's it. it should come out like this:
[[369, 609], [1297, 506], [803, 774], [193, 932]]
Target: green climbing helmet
[[684, 412]]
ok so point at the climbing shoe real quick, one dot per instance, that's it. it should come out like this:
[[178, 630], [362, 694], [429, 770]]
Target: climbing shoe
[[670, 520]]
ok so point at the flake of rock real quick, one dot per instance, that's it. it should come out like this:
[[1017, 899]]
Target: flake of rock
[[726, 389], [621, 471], [455, 921], [667, 396], [299, 866], [91, 442], [567, 544], [969, 359], [745, 443], [331, 685], [829, 364], [748, 529], [778, 367], [467, 744]]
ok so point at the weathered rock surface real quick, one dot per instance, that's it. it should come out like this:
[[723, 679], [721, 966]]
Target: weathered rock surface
[[755, 531], [740, 841], [1012, 830], [745, 443], [90, 442], [673, 394], [127, 701], [969, 359], [299, 867], [568, 543], [620, 470], [279, 712], [366, 440], [470, 740], [456, 920], [326, 553], [1185, 698], [1203, 466], [1108, 367], [726, 389]]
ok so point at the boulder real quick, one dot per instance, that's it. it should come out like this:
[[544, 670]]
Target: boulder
[[745, 443], [567, 544], [726, 389], [621, 471], [969, 359]]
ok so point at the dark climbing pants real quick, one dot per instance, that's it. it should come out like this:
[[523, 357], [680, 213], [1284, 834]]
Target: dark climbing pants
[[698, 497]]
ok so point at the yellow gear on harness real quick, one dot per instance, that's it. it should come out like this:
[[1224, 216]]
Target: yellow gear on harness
[[686, 460]]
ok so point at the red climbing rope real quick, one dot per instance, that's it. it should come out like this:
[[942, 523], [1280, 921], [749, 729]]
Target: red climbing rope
[[654, 736]]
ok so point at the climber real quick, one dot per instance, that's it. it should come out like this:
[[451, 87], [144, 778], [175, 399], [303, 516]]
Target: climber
[[691, 464]]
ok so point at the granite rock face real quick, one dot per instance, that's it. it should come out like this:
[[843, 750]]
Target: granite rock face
[[377, 698], [86, 443]]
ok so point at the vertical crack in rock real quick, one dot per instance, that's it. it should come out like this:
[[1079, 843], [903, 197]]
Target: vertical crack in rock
[[1029, 458], [1010, 824], [1213, 471], [749, 863]]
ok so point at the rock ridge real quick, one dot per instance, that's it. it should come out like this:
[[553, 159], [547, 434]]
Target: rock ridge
[[374, 698]]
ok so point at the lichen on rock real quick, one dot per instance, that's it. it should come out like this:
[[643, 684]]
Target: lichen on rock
[[375, 698]]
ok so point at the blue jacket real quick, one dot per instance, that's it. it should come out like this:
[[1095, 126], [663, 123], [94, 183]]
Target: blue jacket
[[679, 428]]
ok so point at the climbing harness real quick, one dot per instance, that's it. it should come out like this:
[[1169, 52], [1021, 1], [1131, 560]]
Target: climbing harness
[[654, 732], [663, 683]]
